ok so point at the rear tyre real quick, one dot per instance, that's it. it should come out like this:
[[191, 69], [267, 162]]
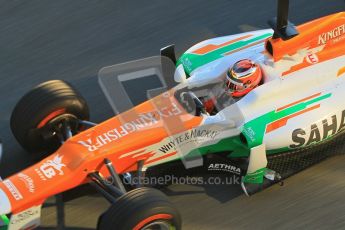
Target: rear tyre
[[141, 209], [37, 116]]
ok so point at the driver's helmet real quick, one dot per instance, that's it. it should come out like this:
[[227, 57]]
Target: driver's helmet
[[244, 76]]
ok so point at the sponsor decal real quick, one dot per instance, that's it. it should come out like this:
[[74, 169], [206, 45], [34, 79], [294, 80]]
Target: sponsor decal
[[51, 168], [330, 35], [312, 58], [225, 168], [28, 219], [144, 120], [317, 134], [249, 133], [28, 181], [255, 177], [187, 137], [13, 190]]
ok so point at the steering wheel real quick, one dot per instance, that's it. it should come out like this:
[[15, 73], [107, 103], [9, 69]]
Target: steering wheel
[[192, 103]]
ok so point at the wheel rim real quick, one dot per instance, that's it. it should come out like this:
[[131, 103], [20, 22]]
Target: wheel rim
[[50, 117], [57, 127], [159, 225]]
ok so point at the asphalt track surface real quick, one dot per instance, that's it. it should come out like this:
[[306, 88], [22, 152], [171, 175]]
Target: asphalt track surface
[[72, 40]]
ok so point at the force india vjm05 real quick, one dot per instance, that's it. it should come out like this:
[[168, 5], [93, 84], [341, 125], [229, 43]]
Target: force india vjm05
[[269, 133]]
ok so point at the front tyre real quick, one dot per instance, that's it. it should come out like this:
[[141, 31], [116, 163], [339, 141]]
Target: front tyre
[[141, 209], [39, 114]]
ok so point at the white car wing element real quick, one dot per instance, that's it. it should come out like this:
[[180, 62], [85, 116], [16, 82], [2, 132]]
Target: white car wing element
[[5, 205]]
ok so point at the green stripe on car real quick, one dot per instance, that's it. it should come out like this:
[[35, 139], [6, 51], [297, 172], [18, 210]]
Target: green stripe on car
[[254, 130], [192, 61]]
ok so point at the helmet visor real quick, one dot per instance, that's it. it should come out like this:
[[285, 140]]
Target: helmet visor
[[234, 86]]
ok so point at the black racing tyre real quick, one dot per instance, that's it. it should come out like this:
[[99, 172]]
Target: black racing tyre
[[141, 209], [32, 116]]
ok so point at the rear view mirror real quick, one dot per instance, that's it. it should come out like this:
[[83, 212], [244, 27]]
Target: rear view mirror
[[180, 75]]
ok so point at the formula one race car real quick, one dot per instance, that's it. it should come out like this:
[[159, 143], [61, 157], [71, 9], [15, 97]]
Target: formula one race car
[[275, 130]]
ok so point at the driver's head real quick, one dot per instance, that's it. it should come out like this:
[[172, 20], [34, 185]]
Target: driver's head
[[244, 76]]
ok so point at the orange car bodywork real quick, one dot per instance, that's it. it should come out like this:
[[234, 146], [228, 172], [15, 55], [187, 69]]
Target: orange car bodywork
[[70, 165], [328, 31]]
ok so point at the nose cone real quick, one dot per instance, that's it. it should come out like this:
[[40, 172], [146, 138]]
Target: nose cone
[[5, 205]]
